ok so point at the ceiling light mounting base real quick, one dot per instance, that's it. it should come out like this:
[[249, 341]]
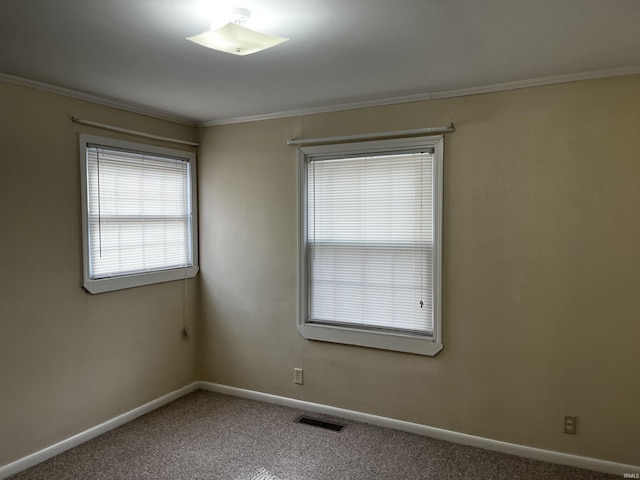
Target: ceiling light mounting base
[[240, 16]]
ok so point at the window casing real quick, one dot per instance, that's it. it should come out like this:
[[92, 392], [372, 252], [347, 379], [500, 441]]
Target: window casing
[[139, 214], [370, 230]]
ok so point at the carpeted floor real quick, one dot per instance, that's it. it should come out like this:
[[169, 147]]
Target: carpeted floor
[[211, 436]]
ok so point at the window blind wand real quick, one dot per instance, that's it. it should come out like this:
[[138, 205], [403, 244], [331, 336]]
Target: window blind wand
[[421, 303]]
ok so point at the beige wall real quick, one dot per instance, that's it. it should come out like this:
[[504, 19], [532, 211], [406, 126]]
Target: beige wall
[[541, 269], [70, 360], [541, 259]]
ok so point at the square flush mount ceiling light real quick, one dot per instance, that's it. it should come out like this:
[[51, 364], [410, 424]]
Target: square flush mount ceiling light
[[235, 39]]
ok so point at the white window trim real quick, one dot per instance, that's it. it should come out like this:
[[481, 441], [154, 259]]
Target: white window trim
[[135, 280], [402, 342]]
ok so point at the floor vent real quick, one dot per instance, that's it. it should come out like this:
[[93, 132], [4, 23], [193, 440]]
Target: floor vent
[[336, 427]]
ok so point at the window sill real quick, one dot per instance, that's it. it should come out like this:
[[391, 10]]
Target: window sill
[[381, 340], [118, 283]]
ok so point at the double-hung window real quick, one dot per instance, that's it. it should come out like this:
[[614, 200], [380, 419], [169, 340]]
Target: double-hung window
[[138, 214], [370, 244]]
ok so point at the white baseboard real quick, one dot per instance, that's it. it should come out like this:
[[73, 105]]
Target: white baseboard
[[44, 454], [438, 433]]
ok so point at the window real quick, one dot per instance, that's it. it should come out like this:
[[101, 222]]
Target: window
[[138, 212], [370, 244]]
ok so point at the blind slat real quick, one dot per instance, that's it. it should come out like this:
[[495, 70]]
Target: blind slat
[[370, 232], [139, 212]]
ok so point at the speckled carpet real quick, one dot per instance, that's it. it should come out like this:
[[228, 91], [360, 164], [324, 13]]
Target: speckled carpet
[[210, 436]]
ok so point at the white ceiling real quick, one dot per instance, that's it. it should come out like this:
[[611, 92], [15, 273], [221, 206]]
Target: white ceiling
[[340, 51]]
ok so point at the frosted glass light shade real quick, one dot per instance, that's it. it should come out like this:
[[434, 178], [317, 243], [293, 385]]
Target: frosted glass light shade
[[236, 39]]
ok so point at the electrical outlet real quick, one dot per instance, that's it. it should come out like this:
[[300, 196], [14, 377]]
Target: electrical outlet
[[570, 424], [297, 376]]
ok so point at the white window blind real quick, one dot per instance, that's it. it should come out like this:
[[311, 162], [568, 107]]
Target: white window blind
[[370, 241], [139, 212]]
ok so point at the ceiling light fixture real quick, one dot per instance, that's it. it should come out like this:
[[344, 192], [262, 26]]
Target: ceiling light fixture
[[234, 38]]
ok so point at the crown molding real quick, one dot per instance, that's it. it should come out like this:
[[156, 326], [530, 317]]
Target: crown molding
[[323, 109], [461, 92], [106, 101], [539, 82]]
